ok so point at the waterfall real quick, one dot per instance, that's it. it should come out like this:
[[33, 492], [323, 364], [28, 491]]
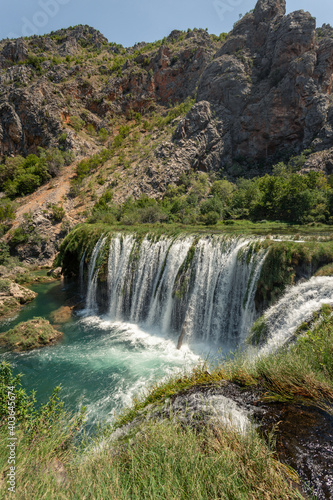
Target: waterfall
[[297, 305], [202, 288], [82, 262], [93, 274]]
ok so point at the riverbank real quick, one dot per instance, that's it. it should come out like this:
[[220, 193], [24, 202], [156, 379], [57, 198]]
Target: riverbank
[[152, 435]]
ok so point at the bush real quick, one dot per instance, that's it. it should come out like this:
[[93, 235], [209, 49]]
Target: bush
[[57, 212], [76, 123], [69, 157], [19, 237], [25, 233], [212, 205], [211, 218], [21, 176], [4, 253], [63, 139], [54, 160], [223, 190], [89, 165], [103, 135], [91, 129], [7, 212], [151, 215], [35, 62]]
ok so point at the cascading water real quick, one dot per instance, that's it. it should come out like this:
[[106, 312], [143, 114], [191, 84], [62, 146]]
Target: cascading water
[[93, 274], [82, 262], [297, 305], [199, 288]]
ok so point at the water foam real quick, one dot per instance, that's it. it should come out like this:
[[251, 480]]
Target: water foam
[[297, 305]]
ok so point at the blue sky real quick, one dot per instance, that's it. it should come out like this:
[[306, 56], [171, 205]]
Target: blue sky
[[131, 21]]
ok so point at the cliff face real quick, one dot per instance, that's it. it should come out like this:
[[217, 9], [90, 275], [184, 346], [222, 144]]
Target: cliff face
[[269, 86], [46, 79], [264, 88]]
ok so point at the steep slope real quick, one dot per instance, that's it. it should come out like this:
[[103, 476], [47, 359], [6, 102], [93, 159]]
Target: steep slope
[[232, 105], [268, 84]]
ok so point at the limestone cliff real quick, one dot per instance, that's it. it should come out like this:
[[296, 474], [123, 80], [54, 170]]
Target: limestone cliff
[[263, 88]]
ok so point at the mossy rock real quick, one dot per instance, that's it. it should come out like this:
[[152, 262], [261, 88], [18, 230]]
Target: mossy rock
[[8, 306], [286, 263], [28, 335], [13, 296], [325, 270], [258, 333]]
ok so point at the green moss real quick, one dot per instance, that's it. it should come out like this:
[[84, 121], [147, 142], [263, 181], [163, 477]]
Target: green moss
[[80, 240], [29, 335], [259, 331], [285, 263], [325, 270]]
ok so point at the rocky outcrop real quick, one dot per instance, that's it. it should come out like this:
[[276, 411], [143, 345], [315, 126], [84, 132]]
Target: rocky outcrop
[[39, 92], [270, 85], [13, 296], [15, 51], [24, 123], [32, 334], [322, 161], [262, 90], [20, 293], [304, 433], [43, 240]]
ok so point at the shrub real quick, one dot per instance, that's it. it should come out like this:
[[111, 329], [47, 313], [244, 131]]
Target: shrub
[[7, 211], [69, 157], [103, 135], [21, 176], [54, 160], [85, 167], [212, 205], [151, 215], [35, 62], [63, 139], [4, 253], [91, 129], [76, 123], [19, 237], [223, 189], [57, 212], [211, 218]]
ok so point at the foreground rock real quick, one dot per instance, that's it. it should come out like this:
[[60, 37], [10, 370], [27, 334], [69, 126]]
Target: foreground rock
[[304, 434], [30, 335], [13, 296], [304, 441]]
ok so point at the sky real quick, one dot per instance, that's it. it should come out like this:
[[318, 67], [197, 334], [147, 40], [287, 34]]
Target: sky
[[130, 21]]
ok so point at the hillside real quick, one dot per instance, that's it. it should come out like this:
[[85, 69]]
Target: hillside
[[230, 106]]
